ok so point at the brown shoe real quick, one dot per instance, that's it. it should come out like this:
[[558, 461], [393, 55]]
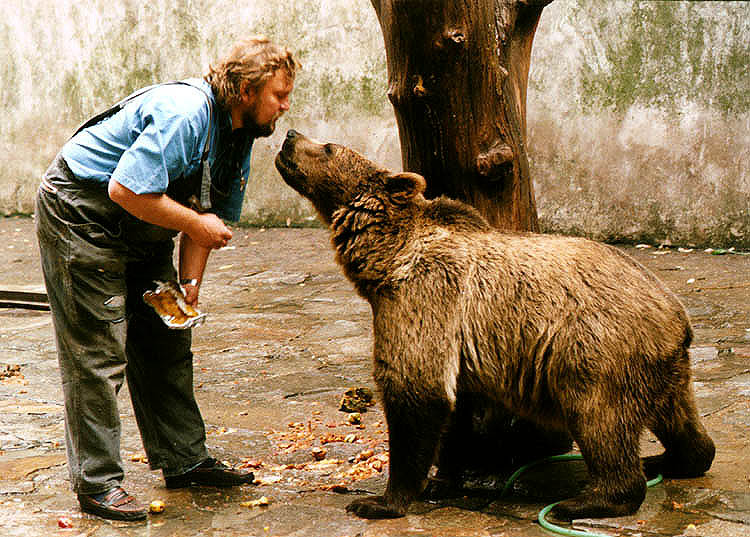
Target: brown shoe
[[115, 504], [210, 473]]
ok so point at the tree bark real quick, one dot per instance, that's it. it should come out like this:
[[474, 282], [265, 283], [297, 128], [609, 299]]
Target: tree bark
[[457, 76]]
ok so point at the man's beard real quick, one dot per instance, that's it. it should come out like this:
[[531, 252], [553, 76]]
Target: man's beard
[[254, 129]]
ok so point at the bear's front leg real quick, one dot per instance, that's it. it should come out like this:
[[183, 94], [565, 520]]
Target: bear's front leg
[[414, 427]]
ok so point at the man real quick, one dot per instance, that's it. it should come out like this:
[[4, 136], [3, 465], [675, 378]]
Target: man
[[107, 211]]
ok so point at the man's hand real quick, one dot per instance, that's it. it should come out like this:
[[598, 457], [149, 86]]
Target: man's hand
[[191, 293], [210, 231], [201, 233], [207, 229]]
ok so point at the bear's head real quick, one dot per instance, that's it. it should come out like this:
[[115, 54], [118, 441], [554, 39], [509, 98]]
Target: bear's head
[[332, 176]]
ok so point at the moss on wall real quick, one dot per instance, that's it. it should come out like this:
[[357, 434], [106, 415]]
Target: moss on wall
[[638, 112], [638, 121], [664, 53]]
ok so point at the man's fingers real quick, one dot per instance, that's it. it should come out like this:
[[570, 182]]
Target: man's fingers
[[191, 294]]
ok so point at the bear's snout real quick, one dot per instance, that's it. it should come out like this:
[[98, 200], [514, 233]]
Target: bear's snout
[[285, 158], [287, 147]]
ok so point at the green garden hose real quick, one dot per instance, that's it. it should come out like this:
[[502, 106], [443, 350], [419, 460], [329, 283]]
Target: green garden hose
[[543, 513]]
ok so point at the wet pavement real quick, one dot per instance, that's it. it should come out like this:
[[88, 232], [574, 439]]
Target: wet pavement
[[286, 336]]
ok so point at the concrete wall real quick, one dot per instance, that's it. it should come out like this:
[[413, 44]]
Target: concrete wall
[[639, 112], [639, 123]]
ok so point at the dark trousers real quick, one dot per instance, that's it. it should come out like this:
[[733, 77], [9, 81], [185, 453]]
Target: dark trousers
[[97, 262]]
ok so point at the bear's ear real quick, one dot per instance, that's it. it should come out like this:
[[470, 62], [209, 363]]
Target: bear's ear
[[403, 187]]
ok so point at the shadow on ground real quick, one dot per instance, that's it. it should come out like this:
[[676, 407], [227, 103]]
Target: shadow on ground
[[286, 336]]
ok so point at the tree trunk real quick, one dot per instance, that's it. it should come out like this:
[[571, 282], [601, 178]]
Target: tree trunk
[[457, 74]]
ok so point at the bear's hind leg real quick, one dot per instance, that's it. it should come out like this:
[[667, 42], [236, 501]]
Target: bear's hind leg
[[414, 429], [617, 486], [688, 450], [500, 444], [451, 457]]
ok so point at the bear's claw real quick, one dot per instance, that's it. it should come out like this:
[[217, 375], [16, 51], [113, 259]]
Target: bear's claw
[[373, 507], [592, 506]]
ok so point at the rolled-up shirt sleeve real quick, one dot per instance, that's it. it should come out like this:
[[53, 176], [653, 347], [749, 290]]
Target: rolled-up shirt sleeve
[[167, 141]]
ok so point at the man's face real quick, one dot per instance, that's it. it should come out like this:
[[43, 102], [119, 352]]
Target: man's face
[[267, 104]]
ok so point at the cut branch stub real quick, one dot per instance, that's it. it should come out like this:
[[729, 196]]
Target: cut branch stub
[[457, 76], [419, 90], [453, 37], [489, 162]]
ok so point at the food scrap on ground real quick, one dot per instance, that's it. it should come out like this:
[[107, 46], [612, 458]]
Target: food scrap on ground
[[252, 464], [64, 522], [12, 375], [366, 467], [319, 437], [263, 501], [357, 400]]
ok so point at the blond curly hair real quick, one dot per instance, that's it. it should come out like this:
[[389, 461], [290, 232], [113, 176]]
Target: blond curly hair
[[248, 64]]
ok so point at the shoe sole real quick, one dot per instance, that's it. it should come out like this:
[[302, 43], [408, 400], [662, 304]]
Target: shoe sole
[[109, 514], [178, 483]]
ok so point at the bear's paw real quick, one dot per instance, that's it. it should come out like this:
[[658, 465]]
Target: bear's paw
[[373, 507]]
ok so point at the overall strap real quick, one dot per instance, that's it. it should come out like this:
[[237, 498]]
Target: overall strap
[[205, 193], [205, 199], [117, 107]]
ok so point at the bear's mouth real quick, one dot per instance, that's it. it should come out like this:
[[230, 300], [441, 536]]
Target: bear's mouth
[[289, 170], [284, 164]]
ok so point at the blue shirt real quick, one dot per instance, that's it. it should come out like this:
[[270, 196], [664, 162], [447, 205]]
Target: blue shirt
[[160, 136]]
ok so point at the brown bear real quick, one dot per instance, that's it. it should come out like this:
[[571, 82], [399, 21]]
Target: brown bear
[[567, 333]]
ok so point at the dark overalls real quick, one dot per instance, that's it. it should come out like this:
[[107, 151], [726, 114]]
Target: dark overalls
[[97, 261]]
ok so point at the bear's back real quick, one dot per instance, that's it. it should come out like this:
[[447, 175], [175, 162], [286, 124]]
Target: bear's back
[[455, 215]]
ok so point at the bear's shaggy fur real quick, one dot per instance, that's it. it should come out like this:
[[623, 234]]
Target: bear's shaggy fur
[[567, 333]]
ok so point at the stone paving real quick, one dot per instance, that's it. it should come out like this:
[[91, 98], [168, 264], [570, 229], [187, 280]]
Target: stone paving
[[286, 336]]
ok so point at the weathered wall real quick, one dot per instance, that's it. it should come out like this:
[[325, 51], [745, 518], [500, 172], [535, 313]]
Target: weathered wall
[[639, 112], [62, 61], [639, 121]]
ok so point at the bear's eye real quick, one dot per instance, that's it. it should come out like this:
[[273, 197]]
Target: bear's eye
[[329, 149]]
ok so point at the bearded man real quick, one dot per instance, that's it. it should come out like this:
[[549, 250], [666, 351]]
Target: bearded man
[[170, 159]]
